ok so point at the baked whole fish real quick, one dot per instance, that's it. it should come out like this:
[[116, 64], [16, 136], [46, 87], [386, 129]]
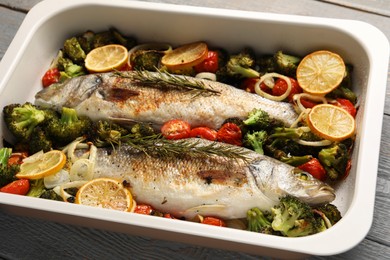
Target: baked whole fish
[[121, 97], [208, 185]]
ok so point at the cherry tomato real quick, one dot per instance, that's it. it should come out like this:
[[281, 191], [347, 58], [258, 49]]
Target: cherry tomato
[[230, 133], [19, 187], [214, 221], [249, 85], [315, 168], [307, 103], [17, 158], [125, 67], [167, 215], [204, 132], [347, 105], [280, 88], [51, 76], [210, 64], [176, 129], [143, 209]]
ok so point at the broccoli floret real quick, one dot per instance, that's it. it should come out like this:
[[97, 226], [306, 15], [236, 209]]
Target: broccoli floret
[[86, 40], [73, 50], [260, 222], [7, 172], [241, 65], [258, 118], [37, 188], [335, 160], [21, 119], [51, 195], [68, 127], [128, 42], [329, 214], [140, 130], [39, 141], [103, 133], [294, 218], [267, 63], [256, 140], [146, 60], [286, 64]]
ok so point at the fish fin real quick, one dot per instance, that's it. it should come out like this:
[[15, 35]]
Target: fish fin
[[207, 210]]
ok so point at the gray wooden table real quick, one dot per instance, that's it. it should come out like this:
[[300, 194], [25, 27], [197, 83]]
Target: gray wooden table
[[28, 238]]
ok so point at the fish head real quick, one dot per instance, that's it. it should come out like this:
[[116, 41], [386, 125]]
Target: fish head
[[276, 179], [69, 93], [308, 189]]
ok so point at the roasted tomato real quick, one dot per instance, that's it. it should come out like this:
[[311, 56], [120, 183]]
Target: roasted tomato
[[204, 132], [315, 168], [280, 88], [19, 187], [230, 133], [347, 105], [51, 76], [210, 64], [176, 129], [213, 221]]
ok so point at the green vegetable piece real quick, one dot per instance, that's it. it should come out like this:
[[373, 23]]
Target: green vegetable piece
[[73, 50]]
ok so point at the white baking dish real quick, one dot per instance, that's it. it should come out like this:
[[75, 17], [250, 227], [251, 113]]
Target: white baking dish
[[49, 23]]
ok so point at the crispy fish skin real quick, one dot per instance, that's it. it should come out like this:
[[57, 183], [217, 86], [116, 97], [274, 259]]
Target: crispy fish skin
[[119, 97], [218, 186]]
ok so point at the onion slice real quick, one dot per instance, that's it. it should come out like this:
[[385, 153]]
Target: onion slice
[[266, 77]]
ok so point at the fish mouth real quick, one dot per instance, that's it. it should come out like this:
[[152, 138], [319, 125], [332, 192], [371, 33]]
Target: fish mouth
[[324, 194]]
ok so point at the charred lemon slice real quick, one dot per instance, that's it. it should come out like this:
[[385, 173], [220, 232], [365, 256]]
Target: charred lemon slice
[[320, 72], [186, 56], [106, 58], [41, 164], [331, 122], [105, 193]]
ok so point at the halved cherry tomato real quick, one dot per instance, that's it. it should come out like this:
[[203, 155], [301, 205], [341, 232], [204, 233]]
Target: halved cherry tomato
[[280, 88], [19, 187], [204, 132], [347, 105], [315, 168], [210, 64], [176, 129], [143, 209], [51, 76], [230, 133], [213, 221], [249, 85], [167, 215]]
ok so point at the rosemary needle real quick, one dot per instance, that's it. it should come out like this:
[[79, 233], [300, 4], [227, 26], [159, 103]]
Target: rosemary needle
[[170, 81]]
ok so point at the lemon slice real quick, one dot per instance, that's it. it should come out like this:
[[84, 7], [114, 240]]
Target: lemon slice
[[320, 72], [105, 193], [106, 58], [186, 56], [331, 122], [40, 165]]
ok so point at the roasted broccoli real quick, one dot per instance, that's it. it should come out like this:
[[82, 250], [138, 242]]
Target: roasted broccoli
[[256, 140], [50, 195], [74, 51], [260, 222], [103, 133], [258, 118], [329, 214], [39, 141], [241, 65], [68, 127], [37, 188], [21, 119], [146, 60], [335, 160], [112, 36], [140, 130], [7, 172], [286, 64], [294, 218]]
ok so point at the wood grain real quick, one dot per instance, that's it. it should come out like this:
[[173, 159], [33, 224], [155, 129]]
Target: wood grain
[[30, 238]]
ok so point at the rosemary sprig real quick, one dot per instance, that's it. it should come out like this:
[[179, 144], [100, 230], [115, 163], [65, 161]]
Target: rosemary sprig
[[158, 146], [167, 80]]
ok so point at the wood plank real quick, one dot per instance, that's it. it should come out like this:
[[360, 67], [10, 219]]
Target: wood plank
[[381, 7], [9, 24], [20, 5]]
